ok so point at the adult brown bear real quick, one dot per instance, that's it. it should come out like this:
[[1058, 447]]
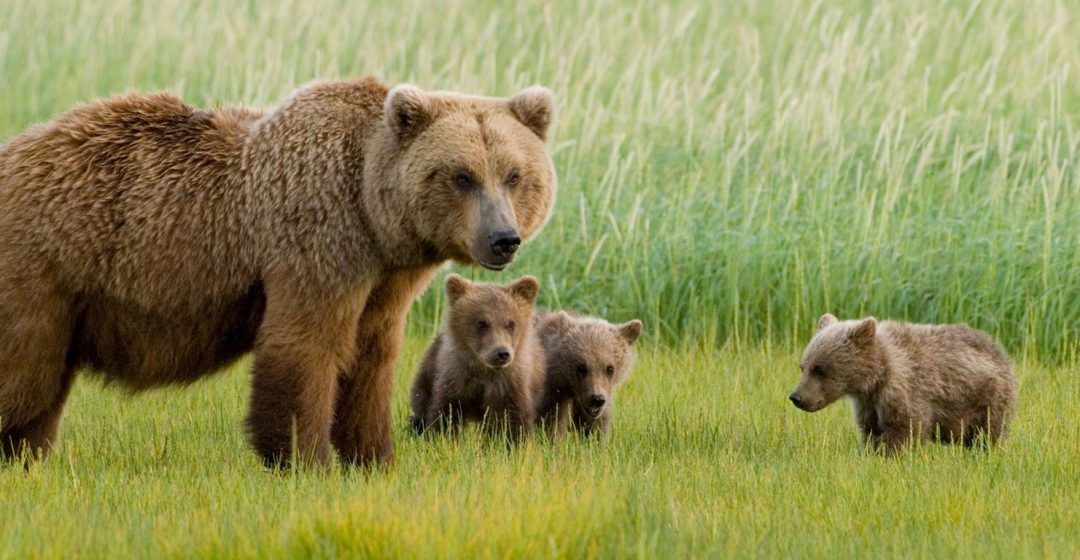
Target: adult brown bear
[[156, 243]]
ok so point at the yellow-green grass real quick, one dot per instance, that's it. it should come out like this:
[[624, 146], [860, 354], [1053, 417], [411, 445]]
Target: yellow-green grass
[[707, 458], [729, 171]]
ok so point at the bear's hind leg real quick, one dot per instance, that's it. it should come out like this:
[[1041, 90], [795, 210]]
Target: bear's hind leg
[[36, 328], [37, 435]]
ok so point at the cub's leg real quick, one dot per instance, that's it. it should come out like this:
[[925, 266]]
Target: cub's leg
[[304, 342], [420, 396], [898, 432], [362, 417], [513, 416]]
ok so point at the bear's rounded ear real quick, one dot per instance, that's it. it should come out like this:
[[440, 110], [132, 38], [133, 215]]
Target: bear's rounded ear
[[630, 331], [558, 323], [827, 320], [407, 110], [534, 107], [456, 286], [525, 288], [863, 333]]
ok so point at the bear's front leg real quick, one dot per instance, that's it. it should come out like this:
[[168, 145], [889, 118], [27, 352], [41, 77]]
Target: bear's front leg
[[362, 418], [302, 346], [515, 418], [898, 433]]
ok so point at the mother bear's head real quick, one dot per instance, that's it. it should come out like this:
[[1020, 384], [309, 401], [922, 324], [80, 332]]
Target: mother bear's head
[[473, 175]]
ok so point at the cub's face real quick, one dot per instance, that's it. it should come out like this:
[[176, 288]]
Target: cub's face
[[490, 321], [591, 356], [837, 362], [476, 171]]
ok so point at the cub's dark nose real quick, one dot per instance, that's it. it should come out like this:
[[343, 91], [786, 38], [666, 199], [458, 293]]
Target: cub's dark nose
[[505, 243], [795, 400], [500, 356], [597, 401]]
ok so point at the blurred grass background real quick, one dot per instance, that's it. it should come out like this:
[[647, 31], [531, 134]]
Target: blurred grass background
[[729, 171]]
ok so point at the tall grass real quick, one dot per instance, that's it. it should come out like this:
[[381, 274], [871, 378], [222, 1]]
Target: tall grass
[[729, 171]]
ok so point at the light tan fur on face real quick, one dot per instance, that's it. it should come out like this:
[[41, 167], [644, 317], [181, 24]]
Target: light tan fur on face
[[511, 176], [907, 381], [462, 376], [587, 358], [155, 243]]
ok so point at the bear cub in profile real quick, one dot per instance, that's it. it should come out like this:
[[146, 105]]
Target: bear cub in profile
[[946, 383], [587, 358], [485, 364]]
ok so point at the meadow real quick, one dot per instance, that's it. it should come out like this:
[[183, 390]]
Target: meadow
[[728, 172]]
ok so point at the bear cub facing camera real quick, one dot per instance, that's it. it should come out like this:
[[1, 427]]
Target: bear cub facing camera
[[909, 382], [485, 364], [587, 359]]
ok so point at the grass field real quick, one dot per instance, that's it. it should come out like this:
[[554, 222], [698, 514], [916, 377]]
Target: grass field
[[728, 172]]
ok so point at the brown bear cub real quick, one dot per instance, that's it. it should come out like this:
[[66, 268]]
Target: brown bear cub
[[486, 364], [587, 359], [946, 383]]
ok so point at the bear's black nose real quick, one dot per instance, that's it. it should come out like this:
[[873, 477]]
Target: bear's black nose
[[500, 356], [795, 399], [505, 243], [596, 401]]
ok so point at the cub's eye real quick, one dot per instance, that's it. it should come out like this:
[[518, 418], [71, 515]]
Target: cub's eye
[[510, 326], [818, 371], [482, 325], [610, 370], [464, 180], [513, 179], [582, 370]]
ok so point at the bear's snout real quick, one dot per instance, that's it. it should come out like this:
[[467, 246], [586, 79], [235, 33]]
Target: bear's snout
[[504, 243], [596, 404], [798, 401], [500, 357]]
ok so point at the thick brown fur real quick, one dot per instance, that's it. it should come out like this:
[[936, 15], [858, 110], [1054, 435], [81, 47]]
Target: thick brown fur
[[156, 243], [486, 363], [587, 359], [907, 382]]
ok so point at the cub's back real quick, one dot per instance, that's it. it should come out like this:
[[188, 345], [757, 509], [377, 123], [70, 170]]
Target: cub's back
[[953, 350]]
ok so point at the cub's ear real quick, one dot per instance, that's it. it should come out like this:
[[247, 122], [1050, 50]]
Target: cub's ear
[[557, 323], [534, 107], [827, 320], [863, 333], [456, 286], [407, 111], [525, 288], [629, 331]]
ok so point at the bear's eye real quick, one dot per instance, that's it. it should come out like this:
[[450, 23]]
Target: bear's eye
[[482, 325], [513, 179], [510, 326], [464, 180], [818, 371], [610, 370], [582, 370]]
